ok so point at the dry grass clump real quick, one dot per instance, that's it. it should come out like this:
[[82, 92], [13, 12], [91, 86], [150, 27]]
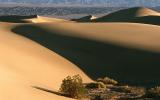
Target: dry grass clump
[[107, 80], [73, 87]]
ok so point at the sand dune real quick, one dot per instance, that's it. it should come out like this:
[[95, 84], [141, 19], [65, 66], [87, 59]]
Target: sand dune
[[88, 18], [29, 19], [118, 50], [41, 19], [16, 18], [136, 15], [24, 64], [133, 12], [37, 51]]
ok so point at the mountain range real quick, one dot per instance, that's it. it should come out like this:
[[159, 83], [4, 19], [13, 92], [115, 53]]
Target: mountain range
[[90, 2]]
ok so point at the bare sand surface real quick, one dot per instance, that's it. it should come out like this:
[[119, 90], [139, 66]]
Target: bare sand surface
[[25, 64], [118, 50]]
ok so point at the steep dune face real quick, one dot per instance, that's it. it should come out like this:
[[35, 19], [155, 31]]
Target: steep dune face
[[25, 64], [136, 14], [124, 51]]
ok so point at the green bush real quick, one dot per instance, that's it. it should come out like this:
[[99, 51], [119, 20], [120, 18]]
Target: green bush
[[73, 87], [107, 80], [96, 85], [153, 92]]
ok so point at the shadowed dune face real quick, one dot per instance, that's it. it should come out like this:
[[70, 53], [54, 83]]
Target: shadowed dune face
[[29, 19], [133, 12], [136, 15], [95, 58], [16, 19], [155, 20]]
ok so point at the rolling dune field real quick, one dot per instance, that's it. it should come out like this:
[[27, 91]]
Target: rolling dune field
[[37, 52]]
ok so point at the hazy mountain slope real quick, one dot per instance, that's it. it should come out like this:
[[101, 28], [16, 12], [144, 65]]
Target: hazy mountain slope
[[90, 2]]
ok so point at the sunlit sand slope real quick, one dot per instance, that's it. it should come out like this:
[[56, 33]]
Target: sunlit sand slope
[[25, 64]]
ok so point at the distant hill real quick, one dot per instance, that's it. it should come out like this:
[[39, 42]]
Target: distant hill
[[113, 3], [130, 13], [135, 15]]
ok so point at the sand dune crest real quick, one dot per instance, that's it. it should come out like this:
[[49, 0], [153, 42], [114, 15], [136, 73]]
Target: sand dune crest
[[132, 15], [29, 19]]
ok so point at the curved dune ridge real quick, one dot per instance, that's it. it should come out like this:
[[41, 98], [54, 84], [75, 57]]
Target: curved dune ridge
[[136, 15], [133, 12], [24, 65], [117, 50], [29, 19], [41, 19]]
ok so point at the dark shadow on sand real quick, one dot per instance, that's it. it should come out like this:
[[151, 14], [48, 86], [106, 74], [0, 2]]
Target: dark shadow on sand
[[49, 91], [154, 20], [16, 18], [130, 15], [97, 59]]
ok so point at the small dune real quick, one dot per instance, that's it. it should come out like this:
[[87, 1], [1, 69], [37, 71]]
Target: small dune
[[29, 19], [16, 18], [88, 18], [41, 19], [136, 15], [133, 12]]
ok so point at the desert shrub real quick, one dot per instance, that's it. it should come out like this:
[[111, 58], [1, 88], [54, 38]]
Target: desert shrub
[[73, 87], [107, 80], [153, 92], [96, 85]]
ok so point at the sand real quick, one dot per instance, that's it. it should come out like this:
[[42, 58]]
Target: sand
[[24, 64], [40, 52], [88, 18], [29, 19], [132, 15], [103, 49], [42, 19]]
